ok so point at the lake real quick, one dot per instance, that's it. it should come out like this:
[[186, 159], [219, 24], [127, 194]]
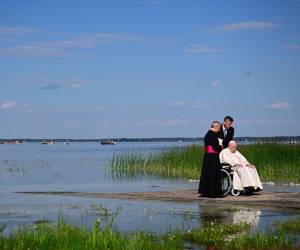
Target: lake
[[83, 167]]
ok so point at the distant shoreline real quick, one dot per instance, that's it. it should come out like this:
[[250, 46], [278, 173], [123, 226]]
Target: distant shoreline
[[158, 139]]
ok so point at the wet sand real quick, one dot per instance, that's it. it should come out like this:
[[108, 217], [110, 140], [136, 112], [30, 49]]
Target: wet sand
[[266, 199]]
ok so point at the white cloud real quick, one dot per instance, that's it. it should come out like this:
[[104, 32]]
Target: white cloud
[[162, 123], [144, 123], [291, 47], [171, 123], [62, 47], [33, 49], [215, 83], [192, 105], [7, 105], [74, 83], [246, 26], [154, 2], [198, 48], [56, 110], [248, 122], [176, 104], [24, 105], [16, 31], [49, 84], [280, 106]]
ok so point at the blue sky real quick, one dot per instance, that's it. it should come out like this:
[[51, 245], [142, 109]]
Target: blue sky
[[147, 68]]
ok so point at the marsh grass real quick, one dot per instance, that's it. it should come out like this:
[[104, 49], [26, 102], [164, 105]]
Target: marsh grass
[[66, 236], [264, 241], [275, 162], [226, 237], [215, 235], [292, 226]]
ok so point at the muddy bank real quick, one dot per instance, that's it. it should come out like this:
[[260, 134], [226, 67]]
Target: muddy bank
[[267, 199]]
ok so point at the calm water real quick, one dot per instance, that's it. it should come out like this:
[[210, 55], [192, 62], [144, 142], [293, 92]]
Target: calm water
[[81, 167]]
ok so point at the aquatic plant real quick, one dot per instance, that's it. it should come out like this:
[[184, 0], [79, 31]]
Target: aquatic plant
[[2, 228], [274, 162], [226, 237], [215, 234], [292, 226], [266, 241], [65, 236]]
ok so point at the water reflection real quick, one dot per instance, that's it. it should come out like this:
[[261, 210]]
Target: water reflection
[[228, 215]]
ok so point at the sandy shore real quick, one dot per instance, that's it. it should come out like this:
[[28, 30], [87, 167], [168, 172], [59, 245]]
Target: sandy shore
[[280, 200]]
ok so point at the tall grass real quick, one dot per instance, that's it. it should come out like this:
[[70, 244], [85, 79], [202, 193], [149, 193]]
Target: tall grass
[[65, 237], [274, 162], [214, 236]]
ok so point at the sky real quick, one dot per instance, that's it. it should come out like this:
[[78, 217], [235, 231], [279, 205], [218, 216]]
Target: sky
[[148, 68]]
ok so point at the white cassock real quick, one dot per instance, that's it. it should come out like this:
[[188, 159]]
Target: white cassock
[[242, 176]]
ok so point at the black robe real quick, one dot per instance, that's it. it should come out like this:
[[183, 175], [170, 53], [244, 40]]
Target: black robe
[[210, 182]]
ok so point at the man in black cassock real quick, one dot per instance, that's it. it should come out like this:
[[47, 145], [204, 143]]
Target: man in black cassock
[[210, 178], [226, 132]]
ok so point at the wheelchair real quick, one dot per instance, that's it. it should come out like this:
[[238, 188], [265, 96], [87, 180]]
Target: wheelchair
[[227, 181]]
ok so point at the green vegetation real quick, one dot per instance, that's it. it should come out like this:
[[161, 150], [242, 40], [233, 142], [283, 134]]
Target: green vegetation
[[292, 226], [215, 235], [183, 163], [227, 237], [274, 162], [265, 241], [70, 237]]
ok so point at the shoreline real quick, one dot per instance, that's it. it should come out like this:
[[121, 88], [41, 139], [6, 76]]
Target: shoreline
[[263, 199]]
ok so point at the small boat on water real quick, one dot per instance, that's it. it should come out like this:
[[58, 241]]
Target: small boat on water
[[47, 142], [19, 142], [67, 142], [108, 142]]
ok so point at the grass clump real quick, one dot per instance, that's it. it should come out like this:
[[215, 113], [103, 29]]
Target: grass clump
[[275, 162], [214, 236], [261, 241], [292, 226], [65, 237]]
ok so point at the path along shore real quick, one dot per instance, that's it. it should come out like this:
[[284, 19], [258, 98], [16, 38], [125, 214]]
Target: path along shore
[[266, 199]]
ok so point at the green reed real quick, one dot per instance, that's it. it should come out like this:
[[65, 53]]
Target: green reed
[[216, 236], [274, 162], [289, 227]]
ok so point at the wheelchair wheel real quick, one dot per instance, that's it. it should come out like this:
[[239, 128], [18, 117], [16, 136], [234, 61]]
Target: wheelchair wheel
[[235, 192], [226, 183]]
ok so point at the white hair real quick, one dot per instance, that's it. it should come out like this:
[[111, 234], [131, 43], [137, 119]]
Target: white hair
[[214, 124], [232, 142]]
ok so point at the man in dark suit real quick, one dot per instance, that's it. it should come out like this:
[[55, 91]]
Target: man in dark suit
[[227, 131]]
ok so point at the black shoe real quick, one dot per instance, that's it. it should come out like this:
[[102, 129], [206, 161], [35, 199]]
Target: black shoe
[[249, 190]]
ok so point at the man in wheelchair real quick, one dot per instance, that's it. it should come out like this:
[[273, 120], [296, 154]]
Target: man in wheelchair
[[245, 176]]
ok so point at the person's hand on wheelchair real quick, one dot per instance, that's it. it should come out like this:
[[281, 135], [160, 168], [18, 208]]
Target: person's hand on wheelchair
[[238, 165], [251, 166]]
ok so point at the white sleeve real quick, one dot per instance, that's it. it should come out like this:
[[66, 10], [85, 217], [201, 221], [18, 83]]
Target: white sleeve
[[222, 160], [243, 159]]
